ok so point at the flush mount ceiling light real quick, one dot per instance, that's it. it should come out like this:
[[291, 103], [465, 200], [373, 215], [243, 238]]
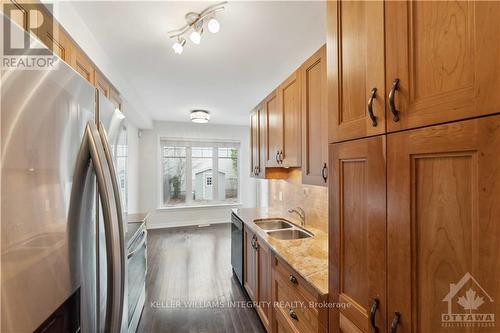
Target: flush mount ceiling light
[[200, 116], [194, 26]]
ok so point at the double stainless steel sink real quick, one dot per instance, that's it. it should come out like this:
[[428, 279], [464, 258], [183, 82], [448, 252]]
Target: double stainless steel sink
[[282, 229]]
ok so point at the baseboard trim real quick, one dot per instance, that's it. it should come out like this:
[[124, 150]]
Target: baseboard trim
[[177, 224]]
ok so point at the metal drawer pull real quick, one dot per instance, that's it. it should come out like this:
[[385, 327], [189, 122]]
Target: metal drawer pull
[[373, 93], [292, 314], [392, 106], [395, 322], [324, 172], [373, 313], [293, 279]]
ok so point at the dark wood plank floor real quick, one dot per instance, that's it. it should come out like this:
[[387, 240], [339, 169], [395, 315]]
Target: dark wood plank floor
[[189, 270]]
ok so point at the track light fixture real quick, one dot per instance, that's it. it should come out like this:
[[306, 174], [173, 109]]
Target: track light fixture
[[194, 26]]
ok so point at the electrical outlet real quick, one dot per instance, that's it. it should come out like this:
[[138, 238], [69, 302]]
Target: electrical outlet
[[280, 196]]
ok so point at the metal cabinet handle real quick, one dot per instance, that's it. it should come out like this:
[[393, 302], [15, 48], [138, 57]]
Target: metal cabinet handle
[[373, 313], [277, 157], [395, 322], [392, 106], [255, 245], [373, 93], [281, 156], [293, 279], [324, 172], [292, 314], [92, 150]]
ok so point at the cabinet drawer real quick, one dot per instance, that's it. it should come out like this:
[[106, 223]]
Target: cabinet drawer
[[296, 308], [294, 281], [282, 324]]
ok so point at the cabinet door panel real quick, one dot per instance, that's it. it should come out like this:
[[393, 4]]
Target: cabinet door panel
[[355, 50], [314, 119], [101, 83], [263, 155], [443, 213], [358, 228], [445, 55], [254, 142], [82, 65], [289, 103], [17, 12], [264, 284], [114, 97], [274, 128], [250, 271]]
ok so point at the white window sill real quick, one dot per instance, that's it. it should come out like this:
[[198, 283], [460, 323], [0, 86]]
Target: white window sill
[[215, 205]]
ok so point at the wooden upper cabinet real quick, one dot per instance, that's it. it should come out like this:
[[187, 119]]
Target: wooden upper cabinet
[[115, 98], [82, 64], [289, 105], [355, 52], [53, 36], [101, 83], [446, 55], [314, 119], [357, 229], [263, 152], [274, 129], [443, 212], [254, 143], [17, 11]]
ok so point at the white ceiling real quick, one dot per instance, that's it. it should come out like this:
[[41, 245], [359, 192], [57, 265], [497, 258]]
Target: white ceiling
[[259, 44]]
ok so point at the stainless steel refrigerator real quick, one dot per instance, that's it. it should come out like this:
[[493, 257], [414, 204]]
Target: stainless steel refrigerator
[[62, 221]]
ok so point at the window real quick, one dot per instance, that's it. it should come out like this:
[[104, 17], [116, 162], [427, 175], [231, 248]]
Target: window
[[198, 173], [121, 158]]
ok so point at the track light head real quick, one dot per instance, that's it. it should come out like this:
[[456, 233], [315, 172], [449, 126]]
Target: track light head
[[213, 25], [179, 45]]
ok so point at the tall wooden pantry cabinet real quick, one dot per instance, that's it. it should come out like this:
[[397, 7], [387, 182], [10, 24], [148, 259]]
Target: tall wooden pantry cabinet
[[415, 198]]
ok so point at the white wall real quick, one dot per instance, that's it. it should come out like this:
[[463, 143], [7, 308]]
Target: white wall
[[132, 105], [133, 169], [148, 173]]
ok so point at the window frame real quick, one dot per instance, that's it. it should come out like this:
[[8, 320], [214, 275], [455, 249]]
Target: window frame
[[215, 174]]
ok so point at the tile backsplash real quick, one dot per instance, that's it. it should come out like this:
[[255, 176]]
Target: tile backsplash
[[313, 199]]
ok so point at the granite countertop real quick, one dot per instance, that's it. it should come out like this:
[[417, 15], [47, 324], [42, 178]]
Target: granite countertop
[[307, 256]]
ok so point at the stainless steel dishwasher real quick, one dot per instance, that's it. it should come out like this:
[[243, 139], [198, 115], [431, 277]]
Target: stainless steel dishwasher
[[237, 247]]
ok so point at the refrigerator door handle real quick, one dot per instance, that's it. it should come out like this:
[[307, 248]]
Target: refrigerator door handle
[[119, 221], [92, 150]]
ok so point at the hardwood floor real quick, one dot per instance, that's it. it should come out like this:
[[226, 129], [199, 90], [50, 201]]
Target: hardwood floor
[[189, 272]]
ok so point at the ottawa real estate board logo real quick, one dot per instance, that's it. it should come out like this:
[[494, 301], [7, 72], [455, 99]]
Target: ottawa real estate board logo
[[468, 305], [20, 49]]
